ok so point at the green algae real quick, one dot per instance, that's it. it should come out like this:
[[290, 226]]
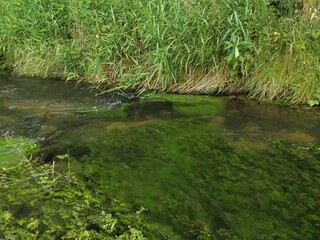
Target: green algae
[[203, 167], [191, 178], [195, 185], [13, 149], [40, 203], [194, 105]]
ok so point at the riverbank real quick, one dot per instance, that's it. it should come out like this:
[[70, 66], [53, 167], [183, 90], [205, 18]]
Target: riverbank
[[268, 51]]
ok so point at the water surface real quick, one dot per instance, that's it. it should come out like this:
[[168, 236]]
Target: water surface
[[203, 167]]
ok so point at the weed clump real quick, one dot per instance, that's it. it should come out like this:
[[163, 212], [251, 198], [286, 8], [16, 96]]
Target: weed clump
[[268, 49], [40, 203]]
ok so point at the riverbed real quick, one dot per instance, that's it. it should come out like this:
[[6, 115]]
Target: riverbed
[[223, 167]]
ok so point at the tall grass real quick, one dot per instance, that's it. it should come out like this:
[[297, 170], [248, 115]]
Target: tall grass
[[185, 46], [288, 66]]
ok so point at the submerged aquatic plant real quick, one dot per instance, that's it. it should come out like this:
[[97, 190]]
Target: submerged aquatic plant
[[38, 202], [13, 149], [195, 185]]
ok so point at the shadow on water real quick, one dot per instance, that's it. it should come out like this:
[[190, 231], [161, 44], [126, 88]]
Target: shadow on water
[[204, 167]]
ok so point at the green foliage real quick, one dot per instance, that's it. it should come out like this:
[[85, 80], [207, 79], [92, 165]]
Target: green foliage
[[234, 57], [194, 184], [316, 99], [18, 144], [236, 41], [284, 8], [167, 45], [12, 149], [197, 186], [39, 203]]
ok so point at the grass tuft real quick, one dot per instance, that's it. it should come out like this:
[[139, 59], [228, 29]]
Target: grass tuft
[[184, 46]]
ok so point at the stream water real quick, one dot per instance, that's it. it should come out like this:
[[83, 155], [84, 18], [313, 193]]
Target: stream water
[[203, 167]]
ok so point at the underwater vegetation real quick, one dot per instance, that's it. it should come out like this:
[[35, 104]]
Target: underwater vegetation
[[13, 150], [206, 191], [170, 167], [40, 203], [197, 186]]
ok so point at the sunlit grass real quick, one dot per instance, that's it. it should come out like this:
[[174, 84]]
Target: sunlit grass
[[183, 46]]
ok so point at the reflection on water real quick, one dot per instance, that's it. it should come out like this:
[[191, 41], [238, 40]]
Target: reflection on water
[[37, 107], [204, 167], [262, 121]]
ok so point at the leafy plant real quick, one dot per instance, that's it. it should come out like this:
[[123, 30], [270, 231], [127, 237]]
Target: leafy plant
[[167, 46], [237, 54], [13, 149], [18, 145], [284, 8], [38, 202], [316, 99]]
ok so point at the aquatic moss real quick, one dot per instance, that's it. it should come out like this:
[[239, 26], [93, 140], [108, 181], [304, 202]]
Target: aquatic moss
[[39, 203], [194, 105], [13, 149], [196, 186]]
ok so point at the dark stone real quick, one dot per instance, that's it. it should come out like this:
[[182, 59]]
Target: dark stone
[[149, 110]]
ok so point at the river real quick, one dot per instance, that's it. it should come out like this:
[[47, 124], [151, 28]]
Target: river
[[225, 165]]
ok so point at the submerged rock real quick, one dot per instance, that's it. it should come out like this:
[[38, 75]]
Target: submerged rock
[[148, 110], [114, 100]]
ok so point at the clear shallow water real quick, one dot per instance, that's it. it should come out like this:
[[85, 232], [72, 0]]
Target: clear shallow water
[[204, 167]]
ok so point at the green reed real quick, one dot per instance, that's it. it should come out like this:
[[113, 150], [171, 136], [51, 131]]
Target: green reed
[[184, 46]]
